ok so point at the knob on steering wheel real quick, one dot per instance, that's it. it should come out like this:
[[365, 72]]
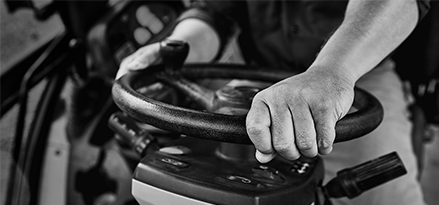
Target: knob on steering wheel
[[214, 126]]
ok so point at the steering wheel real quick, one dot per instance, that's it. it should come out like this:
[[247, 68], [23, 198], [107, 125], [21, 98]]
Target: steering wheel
[[214, 126]]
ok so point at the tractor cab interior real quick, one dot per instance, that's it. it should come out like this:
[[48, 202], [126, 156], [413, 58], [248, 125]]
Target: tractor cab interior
[[157, 136]]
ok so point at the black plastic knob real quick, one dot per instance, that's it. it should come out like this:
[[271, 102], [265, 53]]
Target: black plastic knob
[[353, 181], [173, 53], [130, 135]]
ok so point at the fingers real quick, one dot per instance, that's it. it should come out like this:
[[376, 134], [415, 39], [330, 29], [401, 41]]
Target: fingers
[[290, 127], [304, 129], [325, 130], [141, 59], [282, 131], [264, 158], [258, 127], [271, 130]]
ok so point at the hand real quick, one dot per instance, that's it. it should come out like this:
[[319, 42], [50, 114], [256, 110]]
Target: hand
[[142, 58], [297, 116]]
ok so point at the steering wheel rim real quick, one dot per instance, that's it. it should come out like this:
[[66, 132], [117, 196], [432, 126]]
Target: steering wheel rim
[[221, 127]]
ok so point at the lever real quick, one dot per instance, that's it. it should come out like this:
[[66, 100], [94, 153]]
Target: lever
[[352, 182], [173, 53], [131, 135]]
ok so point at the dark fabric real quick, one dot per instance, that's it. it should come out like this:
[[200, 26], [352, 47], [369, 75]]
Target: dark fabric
[[417, 62], [424, 7], [281, 34]]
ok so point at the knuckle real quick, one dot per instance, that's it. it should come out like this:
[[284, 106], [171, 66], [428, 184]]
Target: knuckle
[[305, 93], [282, 147], [254, 130], [305, 141], [321, 107], [305, 144], [324, 143], [324, 105], [325, 132]]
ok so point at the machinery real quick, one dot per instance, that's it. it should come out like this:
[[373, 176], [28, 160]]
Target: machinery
[[169, 140], [220, 168]]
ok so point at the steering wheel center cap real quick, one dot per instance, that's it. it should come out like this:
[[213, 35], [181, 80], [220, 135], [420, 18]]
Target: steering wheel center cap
[[234, 98]]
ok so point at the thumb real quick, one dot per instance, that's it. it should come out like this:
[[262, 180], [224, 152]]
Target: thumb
[[265, 158]]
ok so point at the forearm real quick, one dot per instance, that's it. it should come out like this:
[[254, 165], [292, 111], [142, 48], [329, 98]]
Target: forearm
[[371, 30], [203, 40]]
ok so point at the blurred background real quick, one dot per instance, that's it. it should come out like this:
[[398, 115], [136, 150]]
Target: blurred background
[[19, 32]]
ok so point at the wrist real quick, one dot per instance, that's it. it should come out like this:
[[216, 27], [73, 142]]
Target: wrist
[[336, 73]]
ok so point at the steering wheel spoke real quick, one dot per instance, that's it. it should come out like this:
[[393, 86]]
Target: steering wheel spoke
[[198, 94]]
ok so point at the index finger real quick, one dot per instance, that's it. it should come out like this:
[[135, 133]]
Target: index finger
[[258, 126]]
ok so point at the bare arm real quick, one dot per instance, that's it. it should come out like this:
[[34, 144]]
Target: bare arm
[[297, 116], [370, 31]]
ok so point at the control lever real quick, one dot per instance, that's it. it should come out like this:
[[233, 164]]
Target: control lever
[[352, 182], [173, 53], [131, 135]]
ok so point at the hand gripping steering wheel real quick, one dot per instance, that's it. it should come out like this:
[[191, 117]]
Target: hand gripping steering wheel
[[221, 127]]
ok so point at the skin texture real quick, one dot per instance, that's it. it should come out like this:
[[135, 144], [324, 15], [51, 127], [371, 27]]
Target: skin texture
[[300, 121], [297, 116]]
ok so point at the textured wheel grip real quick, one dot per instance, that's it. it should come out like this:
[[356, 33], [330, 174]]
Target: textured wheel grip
[[227, 128]]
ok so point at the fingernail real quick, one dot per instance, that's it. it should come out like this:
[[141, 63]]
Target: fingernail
[[264, 158]]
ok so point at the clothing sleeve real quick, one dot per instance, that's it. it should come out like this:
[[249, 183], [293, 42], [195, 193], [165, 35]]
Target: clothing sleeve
[[423, 7], [220, 15]]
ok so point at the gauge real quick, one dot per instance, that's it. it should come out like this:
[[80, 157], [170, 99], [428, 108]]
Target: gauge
[[147, 19], [141, 35]]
